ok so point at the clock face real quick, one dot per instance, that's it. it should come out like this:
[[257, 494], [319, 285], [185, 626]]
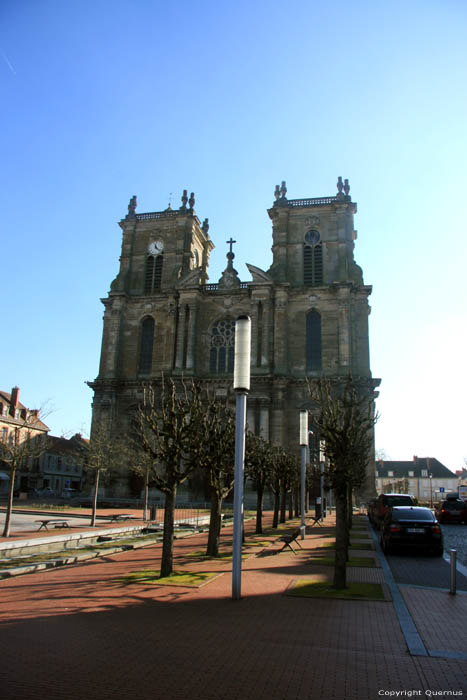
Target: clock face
[[156, 247], [312, 237]]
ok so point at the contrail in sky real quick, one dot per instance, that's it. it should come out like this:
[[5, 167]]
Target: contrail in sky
[[9, 64]]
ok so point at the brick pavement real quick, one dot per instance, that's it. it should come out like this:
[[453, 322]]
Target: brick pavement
[[79, 633]]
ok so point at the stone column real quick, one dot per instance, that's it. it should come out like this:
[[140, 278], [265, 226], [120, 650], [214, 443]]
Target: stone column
[[180, 336], [190, 352], [280, 330], [264, 420]]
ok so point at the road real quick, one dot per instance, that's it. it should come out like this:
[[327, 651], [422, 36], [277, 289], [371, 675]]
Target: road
[[427, 570]]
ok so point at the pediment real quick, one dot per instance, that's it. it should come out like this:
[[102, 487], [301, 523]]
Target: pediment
[[259, 276], [191, 279]]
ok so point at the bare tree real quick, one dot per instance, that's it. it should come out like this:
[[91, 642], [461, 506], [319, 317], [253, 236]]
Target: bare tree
[[166, 430], [214, 452], [258, 467], [344, 419], [99, 455], [25, 443]]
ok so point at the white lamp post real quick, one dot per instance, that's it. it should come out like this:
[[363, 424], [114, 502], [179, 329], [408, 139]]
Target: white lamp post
[[303, 446], [242, 386], [321, 478]]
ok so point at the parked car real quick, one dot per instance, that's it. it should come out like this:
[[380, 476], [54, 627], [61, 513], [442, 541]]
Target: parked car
[[379, 507], [413, 528], [453, 510]]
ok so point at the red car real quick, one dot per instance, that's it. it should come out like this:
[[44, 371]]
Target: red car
[[454, 510]]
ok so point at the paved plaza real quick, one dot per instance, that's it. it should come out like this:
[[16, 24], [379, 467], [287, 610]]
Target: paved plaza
[[84, 632]]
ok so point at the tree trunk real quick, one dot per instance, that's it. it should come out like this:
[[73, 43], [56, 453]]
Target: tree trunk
[[259, 509], [277, 504], [340, 561], [283, 505], [167, 541], [9, 508], [215, 520], [349, 507], [94, 500], [290, 505]]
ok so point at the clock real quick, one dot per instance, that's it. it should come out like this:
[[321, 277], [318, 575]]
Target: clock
[[312, 237], [156, 247]]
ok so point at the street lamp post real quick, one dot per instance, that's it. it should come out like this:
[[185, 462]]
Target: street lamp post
[[303, 448], [242, 386], [431, 491], [321, 476]]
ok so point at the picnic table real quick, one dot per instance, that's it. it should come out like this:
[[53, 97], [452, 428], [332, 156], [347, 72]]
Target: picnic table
[[118, 517], [54, 521]]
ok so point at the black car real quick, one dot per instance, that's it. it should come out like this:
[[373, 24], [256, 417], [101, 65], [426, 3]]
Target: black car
[[411, 528], [453, 510], [378, 507]]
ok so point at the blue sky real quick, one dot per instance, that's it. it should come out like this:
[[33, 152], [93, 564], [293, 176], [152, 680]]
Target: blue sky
[[106, 99]]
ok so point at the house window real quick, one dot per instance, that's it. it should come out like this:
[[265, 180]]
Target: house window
[[313, 341], [411, 473], [147, 343], [221, 357], [153, 276], [424, 472], [390, 473], [4, 434]]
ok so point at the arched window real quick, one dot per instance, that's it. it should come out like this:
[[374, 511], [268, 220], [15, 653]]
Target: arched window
[[153, 276], [221, 357], [313, 341], [313, 259], [147, 344]]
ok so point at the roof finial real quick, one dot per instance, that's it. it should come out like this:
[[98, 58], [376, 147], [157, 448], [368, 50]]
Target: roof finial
[[277, 193], [184, 199], [283, 189], [191, 201], [346, 187], [205, 226], [340, 185]]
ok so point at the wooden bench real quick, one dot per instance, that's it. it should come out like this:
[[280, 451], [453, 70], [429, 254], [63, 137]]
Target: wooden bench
[[288, 539], [118, 517], [52, 521], [315, 520]]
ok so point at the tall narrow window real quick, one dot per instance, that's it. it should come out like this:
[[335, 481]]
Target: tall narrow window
[[312, 259], [313, 341], [153, 276], [147, 343], [221, 358]]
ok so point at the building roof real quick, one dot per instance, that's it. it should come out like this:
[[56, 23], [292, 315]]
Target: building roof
[[28, 417], [401, 469], [63, 445]]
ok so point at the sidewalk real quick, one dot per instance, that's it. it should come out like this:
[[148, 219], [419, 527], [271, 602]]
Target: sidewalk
[[83, 633]]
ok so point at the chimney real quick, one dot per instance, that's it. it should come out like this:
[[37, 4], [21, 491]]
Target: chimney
[[14, 401], [415, 458]]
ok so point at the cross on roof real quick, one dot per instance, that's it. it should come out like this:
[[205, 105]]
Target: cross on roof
[[231, 242]]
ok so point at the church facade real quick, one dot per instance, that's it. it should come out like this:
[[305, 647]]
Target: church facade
[[309, 312]]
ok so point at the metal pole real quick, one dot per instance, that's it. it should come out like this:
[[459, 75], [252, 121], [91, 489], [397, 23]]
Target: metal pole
[[241, 385], [240, 421], [453, 553], [302, 491], [303, 446], [321, 487]]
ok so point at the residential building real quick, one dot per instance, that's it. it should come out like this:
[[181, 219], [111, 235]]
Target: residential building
[[16, 422], [425, 478]]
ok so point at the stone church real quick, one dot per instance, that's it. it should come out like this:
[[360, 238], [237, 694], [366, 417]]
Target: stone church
[[309, 311]]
